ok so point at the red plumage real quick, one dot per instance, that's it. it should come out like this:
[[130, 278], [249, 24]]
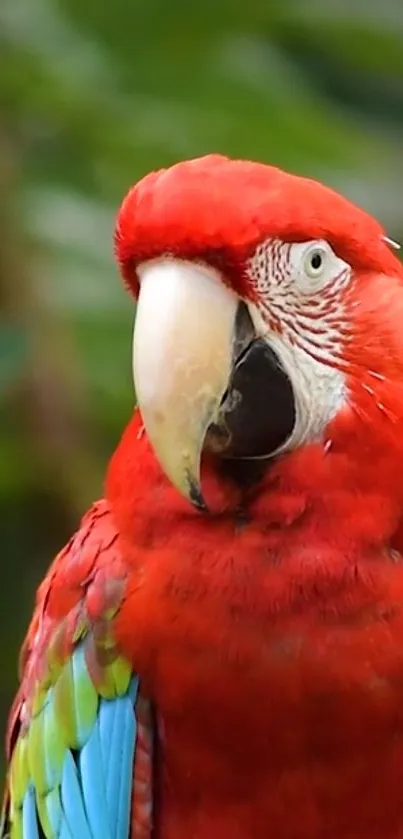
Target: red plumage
[[274, 647], [218, 209], [270, 636]]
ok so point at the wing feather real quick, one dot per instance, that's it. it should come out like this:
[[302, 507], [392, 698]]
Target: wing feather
[[74, 726]]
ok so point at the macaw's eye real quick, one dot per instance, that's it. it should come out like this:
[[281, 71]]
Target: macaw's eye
[[315, 262]]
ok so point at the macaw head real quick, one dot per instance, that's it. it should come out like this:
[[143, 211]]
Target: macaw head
[[269, 316]]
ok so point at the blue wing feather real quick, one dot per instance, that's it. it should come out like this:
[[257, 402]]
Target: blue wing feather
[[92, 769], [64, 831], [112, 766], [126, 758], [29, 816], [118, 791], [72, 800]]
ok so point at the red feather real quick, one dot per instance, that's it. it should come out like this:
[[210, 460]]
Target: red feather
[[272, 645], [218, 210]]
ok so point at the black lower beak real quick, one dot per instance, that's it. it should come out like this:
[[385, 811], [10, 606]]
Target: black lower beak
[[257, 413]]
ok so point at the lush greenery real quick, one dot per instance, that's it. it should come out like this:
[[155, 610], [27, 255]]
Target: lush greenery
[[93, 95]]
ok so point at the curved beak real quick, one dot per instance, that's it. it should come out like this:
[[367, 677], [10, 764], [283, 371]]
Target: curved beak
[[182, 359]]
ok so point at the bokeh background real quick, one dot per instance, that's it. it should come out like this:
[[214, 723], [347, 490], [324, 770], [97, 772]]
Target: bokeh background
[[93, 94]]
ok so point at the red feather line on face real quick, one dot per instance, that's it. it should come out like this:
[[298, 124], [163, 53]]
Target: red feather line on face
[[218, 210]]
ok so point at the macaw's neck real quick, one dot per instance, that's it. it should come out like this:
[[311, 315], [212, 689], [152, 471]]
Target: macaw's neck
[[349, 502]]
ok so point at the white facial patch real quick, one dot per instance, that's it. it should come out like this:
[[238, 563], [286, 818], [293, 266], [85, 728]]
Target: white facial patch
[[301, 314]]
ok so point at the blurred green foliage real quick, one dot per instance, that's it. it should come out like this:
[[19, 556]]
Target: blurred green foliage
[[94, 94]]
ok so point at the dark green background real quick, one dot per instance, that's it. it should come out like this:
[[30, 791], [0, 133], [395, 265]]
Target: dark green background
[[93, 94]]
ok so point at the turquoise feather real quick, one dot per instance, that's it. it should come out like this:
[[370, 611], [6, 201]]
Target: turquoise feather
[[92, 770], [30, 825], [73, 801]]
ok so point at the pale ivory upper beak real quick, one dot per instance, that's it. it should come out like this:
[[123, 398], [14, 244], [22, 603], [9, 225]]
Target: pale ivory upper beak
[[182, 356]]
